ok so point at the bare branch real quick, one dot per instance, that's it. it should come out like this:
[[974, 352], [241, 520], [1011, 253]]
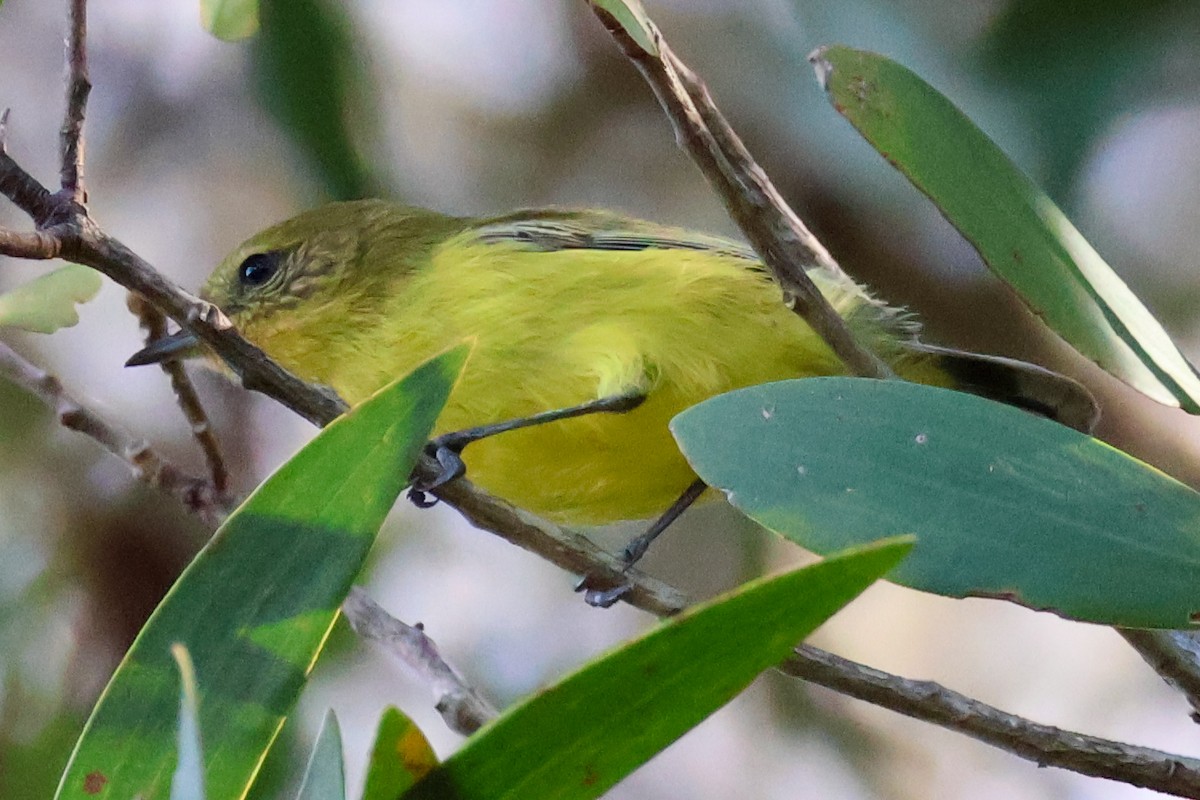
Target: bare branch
[[463, 709], [787, 247], [196, 494], [79, 86], [1044, 745], [155, 325], [35, 245], [570, 551]]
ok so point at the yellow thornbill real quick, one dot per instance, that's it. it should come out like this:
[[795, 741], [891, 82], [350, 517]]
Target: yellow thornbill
[[567, 308]]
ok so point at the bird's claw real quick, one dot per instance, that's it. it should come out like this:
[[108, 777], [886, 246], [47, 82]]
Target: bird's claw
[[450, 467], [601, 597]]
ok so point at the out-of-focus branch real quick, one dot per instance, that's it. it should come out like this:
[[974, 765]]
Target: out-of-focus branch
[[463, 709], [786, 245], [196, 494], [155, 325], [1044, 745]]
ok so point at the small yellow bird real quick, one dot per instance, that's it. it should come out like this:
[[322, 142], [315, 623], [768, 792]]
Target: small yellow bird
[[567, 308]]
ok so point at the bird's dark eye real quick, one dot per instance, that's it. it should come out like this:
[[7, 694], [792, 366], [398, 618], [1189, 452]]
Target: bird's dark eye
[[258, 268]]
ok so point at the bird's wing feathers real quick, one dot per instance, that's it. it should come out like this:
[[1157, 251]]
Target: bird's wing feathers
[[550, 231]]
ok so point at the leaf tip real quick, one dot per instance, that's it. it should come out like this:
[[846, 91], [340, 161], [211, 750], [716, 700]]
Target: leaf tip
[[629, 18]]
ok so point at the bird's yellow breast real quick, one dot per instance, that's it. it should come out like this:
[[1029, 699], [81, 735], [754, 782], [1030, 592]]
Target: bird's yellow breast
[[554, 329]]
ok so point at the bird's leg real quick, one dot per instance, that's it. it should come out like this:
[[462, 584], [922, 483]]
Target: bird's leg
[[636, 548], [448, 447]]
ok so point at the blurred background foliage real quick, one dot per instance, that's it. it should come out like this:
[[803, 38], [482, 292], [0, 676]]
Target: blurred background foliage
[[471, 106]]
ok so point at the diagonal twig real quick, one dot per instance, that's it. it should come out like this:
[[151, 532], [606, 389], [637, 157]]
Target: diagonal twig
[[1045, 745], [155, 325], [463, 709], [785, 244], [196, 494]]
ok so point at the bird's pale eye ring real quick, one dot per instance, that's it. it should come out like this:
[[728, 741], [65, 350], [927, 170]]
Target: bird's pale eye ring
[[258, 268]]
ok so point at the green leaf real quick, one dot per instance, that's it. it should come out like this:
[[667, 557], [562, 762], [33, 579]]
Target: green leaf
[[188, 781], [1022, 236], [325, 777], [255, 607], [401, 757], [632, 18], [47, 303], [1003, 503], [311, 78], [231, 20], [576, 739]]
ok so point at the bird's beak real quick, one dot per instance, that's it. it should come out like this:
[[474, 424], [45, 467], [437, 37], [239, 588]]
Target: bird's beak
[[175, 347]]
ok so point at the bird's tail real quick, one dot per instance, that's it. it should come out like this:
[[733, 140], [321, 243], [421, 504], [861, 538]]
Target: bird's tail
[[1015, 383]]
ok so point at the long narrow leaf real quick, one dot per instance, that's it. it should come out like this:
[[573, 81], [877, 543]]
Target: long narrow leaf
[[1021, 234], [1003, 503], [188, 781], [400, 757], [325, 776], [576, 739], [255, 607]]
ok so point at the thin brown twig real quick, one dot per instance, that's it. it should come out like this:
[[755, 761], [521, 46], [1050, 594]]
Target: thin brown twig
[[155, 325], [196, 494], [33, 245], [568, 550], [79, 86], [786, 246], [463, 709], [1045, 745]]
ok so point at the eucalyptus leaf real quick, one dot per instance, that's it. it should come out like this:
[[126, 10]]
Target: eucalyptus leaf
[[400, 757], [188, 781], [310, 76], [325, 775], [257, 604], [574, 740], [633, 20], [1002, 503], [1020, 233]]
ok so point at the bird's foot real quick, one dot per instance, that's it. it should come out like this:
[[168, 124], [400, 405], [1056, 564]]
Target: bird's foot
[[447, 451], [600, 592]]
